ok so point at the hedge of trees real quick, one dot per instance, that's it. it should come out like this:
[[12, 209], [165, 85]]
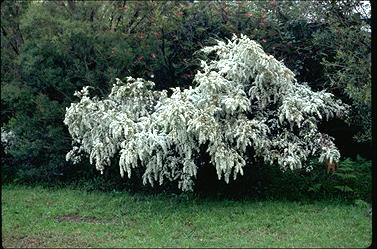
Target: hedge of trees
[[50, 49]]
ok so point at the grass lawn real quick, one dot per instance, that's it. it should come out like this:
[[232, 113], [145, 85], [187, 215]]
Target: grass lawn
[[39, 217]]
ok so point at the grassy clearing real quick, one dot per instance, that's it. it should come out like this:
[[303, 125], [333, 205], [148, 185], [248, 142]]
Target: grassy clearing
[[38, 217]]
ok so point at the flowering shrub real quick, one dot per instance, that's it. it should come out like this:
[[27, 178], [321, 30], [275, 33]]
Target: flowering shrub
[[243, 98]]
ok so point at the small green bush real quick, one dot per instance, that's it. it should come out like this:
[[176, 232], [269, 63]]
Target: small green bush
[[353, 179]]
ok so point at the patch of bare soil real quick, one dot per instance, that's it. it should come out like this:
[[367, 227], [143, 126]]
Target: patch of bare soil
[[21, 242], [78, 218]]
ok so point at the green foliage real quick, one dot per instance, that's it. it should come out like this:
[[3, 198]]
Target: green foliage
[[264, 181], [49, 49], [352, 180], [346, 46], [355, 178]]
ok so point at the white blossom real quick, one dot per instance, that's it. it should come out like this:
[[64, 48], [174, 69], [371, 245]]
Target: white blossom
[[244, 98], [8, 139]]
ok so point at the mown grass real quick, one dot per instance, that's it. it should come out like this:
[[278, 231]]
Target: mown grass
[[40, 217]]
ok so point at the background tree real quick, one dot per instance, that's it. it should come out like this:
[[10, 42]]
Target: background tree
[[346, 46]]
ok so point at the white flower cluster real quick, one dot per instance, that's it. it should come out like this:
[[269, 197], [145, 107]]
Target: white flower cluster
[[8, 139], [244, 98]]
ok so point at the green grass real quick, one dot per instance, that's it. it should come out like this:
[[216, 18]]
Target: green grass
[[39, 217]]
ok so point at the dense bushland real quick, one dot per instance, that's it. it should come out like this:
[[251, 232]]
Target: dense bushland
[[51, 49]]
